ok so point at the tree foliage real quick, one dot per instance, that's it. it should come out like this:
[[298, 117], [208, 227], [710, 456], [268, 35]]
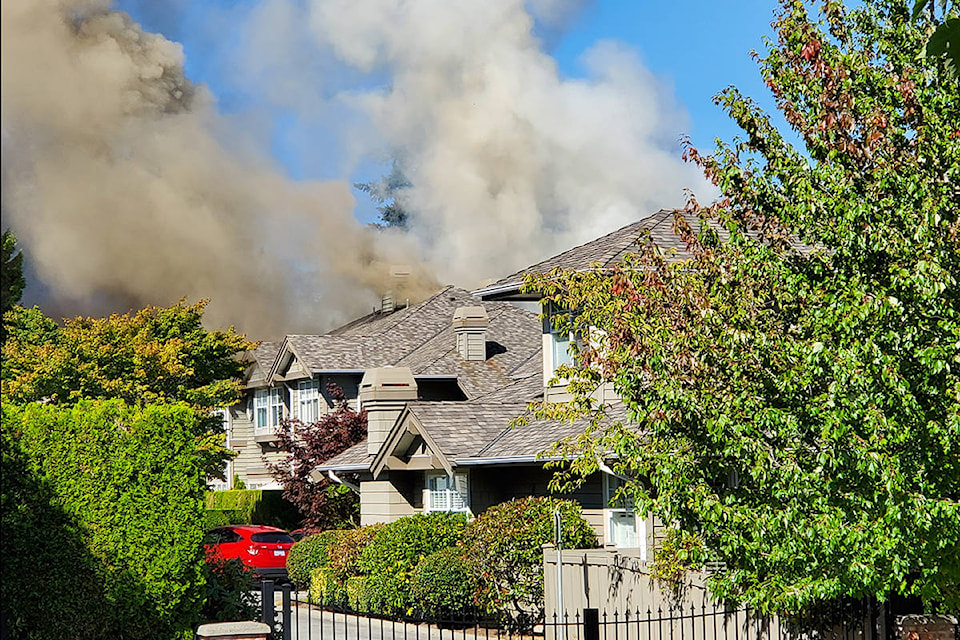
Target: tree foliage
[[157, 355], [389, 192], [11, 273], [794, 387], [324, 504]]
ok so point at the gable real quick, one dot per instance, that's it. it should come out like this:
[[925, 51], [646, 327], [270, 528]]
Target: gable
[[408, 447]]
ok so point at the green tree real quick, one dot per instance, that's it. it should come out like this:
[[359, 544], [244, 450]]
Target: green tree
[[389, 192], [794, 387], [944, 41], [157, 355], [11, 273]]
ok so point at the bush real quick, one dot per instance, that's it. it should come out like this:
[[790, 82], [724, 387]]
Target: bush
[[222, 517], [118, 491], [228, 592], [395, 551], [345, 551], [358, 593], [324, 588], [443, 583], [312, 552], [505, 543], [254, 506]]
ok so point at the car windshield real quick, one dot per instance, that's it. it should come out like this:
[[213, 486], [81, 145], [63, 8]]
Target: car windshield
[[271, 536]]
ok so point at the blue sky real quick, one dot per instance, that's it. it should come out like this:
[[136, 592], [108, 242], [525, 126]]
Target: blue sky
[[695, 47]]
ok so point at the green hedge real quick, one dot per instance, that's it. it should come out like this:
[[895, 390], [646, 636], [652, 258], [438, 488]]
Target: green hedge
[[102, 521], [253, 506], [312, 552], [444, 583], [396, 549]]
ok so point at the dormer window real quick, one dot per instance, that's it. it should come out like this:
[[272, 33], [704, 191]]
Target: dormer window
[[308, 400]]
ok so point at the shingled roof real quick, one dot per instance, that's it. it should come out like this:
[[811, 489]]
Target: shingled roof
[[422, 338], [605, 251]]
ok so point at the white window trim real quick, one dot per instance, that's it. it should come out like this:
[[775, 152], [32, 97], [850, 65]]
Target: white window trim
[[454, 500], [610, 486], [272, 402], [308, 392]]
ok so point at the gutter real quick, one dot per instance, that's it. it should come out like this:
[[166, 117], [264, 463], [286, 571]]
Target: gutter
[[475, 462], [356, 466]]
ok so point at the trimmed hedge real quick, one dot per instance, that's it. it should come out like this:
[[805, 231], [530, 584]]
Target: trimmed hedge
[[253, 506], [443, 584], [312, 552], [395, 551], [102, 520], [324, 588], [358, 593]]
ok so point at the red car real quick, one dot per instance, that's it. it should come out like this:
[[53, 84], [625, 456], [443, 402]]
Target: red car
[[260, 548]]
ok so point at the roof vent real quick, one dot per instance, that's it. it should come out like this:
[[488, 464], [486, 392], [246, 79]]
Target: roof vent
[[470, 324]]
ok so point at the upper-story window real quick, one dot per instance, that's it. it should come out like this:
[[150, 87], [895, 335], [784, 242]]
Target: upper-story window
[[559, 337], [268, 409], [308, 400], [446, 493]]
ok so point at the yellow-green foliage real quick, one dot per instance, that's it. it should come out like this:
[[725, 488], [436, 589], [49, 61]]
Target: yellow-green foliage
[[102, 520], [324, 588], [358, 596]]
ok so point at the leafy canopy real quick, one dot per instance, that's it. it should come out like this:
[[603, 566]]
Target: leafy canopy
[[795, 386], [11, 273], [157, 355]]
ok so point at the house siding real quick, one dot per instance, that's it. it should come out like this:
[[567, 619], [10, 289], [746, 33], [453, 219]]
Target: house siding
[[386, 499]]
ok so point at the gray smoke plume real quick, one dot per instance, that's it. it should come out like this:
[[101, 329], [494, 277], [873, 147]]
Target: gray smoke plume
[[509, 161], [123, 183], [123, 180]]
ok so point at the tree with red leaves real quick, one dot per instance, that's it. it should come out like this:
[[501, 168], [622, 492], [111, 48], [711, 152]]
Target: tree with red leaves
[[324, 504]]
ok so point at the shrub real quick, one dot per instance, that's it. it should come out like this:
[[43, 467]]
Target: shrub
[[443, 583], [254, 506], [345, 551], [505, 544], [118, 489], [222, 517], [228, 592], [312, 552], [395, 551], [358, 593], [324, 588]]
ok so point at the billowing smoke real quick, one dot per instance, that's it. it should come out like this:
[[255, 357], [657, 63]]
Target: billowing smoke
[[508, 161], [121, 176], [124, 184]]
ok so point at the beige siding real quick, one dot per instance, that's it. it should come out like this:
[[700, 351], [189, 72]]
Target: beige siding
[[380, 501]]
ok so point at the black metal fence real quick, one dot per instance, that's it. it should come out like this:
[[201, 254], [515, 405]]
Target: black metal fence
[[294, 616]]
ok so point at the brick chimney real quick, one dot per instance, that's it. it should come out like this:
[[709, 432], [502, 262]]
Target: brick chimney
[[470, 324], [384, 393]]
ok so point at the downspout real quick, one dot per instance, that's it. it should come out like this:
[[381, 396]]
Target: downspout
[[338, 480]]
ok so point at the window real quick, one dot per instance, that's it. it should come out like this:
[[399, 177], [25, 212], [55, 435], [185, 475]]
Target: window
[[624, 528], [268, 410], [559, 338], [308, 400], [446, 493]]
